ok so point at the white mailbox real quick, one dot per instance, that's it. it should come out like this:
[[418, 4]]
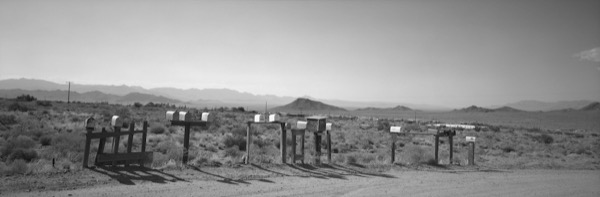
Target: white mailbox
[[116, 121], [172, 115], [90, 123], [274, 117], [301, 125], [470, 139], [206, 117], [396, 129], [328, 126], [259, 118], [185, 116]]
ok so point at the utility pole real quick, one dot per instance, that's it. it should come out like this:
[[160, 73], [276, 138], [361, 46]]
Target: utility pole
[[69, 94]]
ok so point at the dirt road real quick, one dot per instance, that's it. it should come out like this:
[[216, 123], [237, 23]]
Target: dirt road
[[392, 183]]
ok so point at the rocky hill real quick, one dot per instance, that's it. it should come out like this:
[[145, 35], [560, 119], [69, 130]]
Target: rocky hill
[[304, 104], [595, 106], [397, 108]]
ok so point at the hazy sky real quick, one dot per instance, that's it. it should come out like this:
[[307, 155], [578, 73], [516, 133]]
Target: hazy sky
[[451, 53]]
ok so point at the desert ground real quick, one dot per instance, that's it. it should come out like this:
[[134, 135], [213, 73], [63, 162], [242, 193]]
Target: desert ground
[[42, 146], [335, 180]]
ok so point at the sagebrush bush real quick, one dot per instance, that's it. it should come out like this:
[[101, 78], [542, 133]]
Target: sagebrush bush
[[19, 142], [18, 167], [8, 119], [23, 154], [68, 142], [44, 103], [158, 129], [18, 107], [416, 155], [45, 140], [234, 140], [232, 152]]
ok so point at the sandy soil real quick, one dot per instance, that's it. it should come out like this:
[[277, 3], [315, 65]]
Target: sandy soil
[[311, 181]]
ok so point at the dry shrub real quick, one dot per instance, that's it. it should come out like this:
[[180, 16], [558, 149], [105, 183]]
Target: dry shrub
[[46, 140], [416, 155], [234, 140], [23, 154], [18, 148], [157, 129], [67, 144], [16, 167]]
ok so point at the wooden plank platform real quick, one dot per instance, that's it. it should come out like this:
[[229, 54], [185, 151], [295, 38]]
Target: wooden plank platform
[[124, 157]]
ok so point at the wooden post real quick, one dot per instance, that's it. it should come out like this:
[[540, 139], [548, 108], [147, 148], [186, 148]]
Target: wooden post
[[393, 149], [283, 143], [302, 146], [116, 145], [294, 144], [471, 153], [186, 143], [100, 146], [144, 134], [317, 158], [130, 140], [248, 141], [450, 137], [329, 147], [88, 141], [437, 142]]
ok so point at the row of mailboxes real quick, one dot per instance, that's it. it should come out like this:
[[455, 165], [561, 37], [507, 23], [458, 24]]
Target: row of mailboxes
[[271, 118], [186, 116], [305, 125]]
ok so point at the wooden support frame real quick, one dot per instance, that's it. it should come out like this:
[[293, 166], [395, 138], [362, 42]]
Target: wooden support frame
[[318, 125], [116, 158], [282, 142], [186, 137], [298, 133], [446, 133]]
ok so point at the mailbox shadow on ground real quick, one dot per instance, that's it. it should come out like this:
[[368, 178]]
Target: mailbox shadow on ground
[[325, 171], [126, 175], [222, 178]]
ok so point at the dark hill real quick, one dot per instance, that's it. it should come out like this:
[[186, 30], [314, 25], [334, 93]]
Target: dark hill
[[506, 109], [397, 108], [474, 108], [595, 106], [304, 104]]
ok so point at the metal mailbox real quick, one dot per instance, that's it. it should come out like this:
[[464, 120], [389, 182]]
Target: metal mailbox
[[172, 115], [470, 138], [316, 123], [206, 117], [90, 123], [396, 129], [116, 121], [259, 118], [274, 117], [184, 116], [328, 126], [301, 125]]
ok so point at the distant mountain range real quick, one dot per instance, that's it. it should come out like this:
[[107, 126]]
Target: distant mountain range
[[94, 96], [530, 105], [220, 97]]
